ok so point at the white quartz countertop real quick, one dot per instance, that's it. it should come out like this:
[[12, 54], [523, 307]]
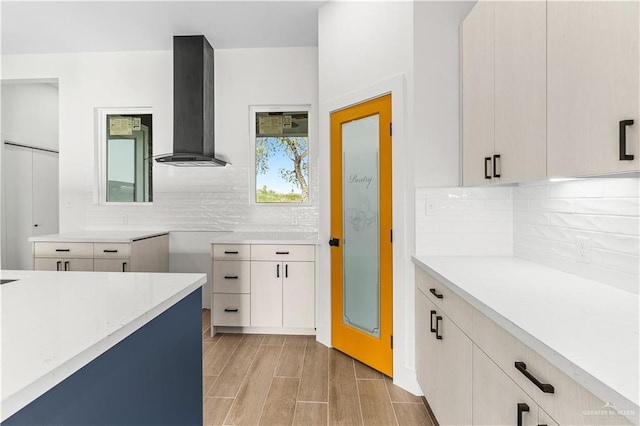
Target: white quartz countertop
[[266, 238], [54, 323], [586, 329], [124, 236]]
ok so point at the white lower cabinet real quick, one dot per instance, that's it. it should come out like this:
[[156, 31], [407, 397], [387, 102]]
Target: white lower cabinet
[[277, 283], [444, 364], [497, 400]]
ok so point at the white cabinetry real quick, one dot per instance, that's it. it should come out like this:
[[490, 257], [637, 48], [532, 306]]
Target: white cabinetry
[[143, 255], [503, 64], [271, 287], [593, 84]]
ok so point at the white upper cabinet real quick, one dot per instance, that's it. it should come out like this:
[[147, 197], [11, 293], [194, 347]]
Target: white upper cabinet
[[478, 94], [504, 92], [593, 72], [520, 90]]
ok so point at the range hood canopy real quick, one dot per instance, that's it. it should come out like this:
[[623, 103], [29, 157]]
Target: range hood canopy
[[193, 102]]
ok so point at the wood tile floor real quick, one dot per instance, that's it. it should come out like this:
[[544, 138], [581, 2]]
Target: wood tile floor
[[293, 380]]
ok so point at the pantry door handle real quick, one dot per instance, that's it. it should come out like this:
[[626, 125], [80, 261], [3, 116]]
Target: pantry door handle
[[496, 157], [486, 169], [438, 322], [278, 270], [58, 265], [623, 140], [433, 330], [522, 408], [544, 387], [433, 291]]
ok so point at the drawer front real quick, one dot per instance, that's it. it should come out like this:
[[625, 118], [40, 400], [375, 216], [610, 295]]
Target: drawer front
[[63, 250], [231, 276], [110, 250], [459, 311], [231, 310], [284, 253], [231, 251], [570, 403]]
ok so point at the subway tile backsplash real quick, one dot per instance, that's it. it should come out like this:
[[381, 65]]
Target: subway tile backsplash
[[587, 227]]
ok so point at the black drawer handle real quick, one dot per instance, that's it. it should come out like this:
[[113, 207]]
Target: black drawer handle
[[231, 310], [230, 277], [65, 250], [433, 291], [486, 169], [522, 408], [433, 330], [282, 252], [109, 251], [623, 140], [496, 157], [438, 322], [230, 252], [544, 387]]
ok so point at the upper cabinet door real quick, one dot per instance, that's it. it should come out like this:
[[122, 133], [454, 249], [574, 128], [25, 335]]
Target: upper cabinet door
[[592, 72], [520, 90], [477, 94]]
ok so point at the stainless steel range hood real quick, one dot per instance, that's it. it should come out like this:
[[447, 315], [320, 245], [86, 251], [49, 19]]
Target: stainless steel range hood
[[193, 114]]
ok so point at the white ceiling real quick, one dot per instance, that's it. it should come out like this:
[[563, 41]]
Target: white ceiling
[[90, 26]]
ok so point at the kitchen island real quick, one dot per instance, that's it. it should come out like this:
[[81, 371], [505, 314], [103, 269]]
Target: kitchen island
[[101, 348]]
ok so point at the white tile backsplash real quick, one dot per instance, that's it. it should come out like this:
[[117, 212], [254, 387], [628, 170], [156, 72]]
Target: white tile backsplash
[[540, 222]]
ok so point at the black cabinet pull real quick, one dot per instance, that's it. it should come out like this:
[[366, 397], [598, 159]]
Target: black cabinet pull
[[486, 169], [433, 330], [109, 251], [66, 266], [433, 291], [58, 265], [231, 310], [124, 266], [282, 252], [278, 270], [496, 157], [544, 387], [623, 140], [438, 322], [334, 242], [230, 277], [65, 250], [522, 407], [230, 252], [286, 271]]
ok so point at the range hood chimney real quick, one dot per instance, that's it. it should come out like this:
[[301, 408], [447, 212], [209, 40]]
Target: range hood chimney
[[193, 114]]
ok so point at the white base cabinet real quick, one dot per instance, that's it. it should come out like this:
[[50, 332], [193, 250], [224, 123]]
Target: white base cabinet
[[267, 288]]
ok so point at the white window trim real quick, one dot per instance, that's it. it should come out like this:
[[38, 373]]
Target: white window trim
[[252, 154], [101, 153]]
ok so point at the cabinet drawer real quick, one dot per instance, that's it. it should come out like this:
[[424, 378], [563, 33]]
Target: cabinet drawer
[[459, 311], [232, 310], [231, 276], [109, 250], [63, 250], [570, 403], [284, 253], [231, 251]]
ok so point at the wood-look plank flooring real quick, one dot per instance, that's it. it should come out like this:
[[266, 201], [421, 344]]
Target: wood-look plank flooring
[[293, 380]]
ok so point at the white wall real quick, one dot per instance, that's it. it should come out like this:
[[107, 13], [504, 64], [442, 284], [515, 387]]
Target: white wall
[[194, 200], [366, 50]]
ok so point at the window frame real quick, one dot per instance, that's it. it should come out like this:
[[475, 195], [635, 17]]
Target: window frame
[[101, 153], [253, 110]]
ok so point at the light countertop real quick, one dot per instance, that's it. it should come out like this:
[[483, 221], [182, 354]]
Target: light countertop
[[54, 323], [266, 238], [124, 236], [586, 329]]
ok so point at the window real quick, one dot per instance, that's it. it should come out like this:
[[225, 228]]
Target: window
[[281, 154], [126, 150]]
